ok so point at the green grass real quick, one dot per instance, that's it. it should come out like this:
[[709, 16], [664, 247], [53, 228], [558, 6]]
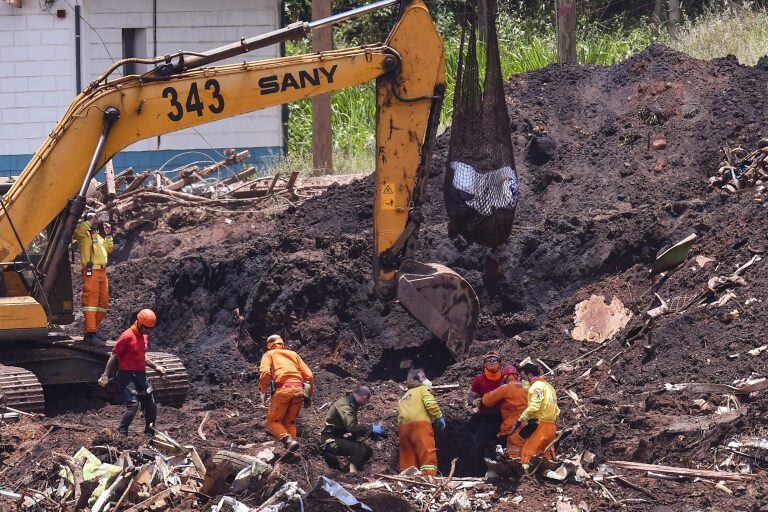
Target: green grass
[[740, 31], [522, 48]]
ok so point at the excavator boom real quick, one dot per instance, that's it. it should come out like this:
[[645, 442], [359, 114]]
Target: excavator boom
[[409, 69]]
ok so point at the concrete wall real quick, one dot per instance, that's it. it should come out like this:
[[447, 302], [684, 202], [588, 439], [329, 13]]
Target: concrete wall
[[37, 69]]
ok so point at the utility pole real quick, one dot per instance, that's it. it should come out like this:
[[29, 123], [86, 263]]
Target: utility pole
[[322, 132], [674, 18], [565, 16]]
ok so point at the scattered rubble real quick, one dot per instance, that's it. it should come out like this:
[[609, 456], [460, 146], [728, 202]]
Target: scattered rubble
[[597, 321], [594, 221]]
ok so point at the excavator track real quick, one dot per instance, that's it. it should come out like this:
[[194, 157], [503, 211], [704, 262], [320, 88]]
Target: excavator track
[[20, 389], [172, 388]]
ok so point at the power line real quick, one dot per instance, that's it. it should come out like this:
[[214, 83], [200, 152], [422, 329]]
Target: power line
[[91, 27]]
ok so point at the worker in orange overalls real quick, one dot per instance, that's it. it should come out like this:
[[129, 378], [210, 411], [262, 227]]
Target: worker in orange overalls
[[512, 399], [290, 380], [94, 239], [540, 415], [417, 411]]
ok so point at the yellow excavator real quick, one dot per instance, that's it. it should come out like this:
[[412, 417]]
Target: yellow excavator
[[181, 91]]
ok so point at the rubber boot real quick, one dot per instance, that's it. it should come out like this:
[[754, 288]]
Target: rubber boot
[[93, 339], [290, 444]]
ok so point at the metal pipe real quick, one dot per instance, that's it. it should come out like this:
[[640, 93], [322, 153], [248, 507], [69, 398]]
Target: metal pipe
[[78, 57], [290, 32], [111, 114], [352, 13], [65, 226]]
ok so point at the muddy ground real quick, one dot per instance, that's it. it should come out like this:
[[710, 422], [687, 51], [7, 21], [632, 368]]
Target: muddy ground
[[601, 195]]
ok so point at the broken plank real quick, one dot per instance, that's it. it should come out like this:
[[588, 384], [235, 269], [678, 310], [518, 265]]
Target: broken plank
[[704, 387], [292, 179], [685, 424], [241, 176], [671, 470], [272, 184], [203, 173], [109, 181], [138, 180]]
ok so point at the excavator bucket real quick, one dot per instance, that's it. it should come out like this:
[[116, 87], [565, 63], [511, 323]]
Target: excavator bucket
[[442, 300]]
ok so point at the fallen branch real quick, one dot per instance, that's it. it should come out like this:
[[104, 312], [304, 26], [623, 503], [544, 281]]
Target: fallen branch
[[623, 481], [76, 468], [407, 481], [202, 423], [670, 470]]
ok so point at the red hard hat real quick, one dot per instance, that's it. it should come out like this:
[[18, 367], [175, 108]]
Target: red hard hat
[[508, 370], [147, 318]]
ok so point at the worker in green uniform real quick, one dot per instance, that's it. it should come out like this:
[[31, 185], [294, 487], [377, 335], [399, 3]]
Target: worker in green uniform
[[342, 432]]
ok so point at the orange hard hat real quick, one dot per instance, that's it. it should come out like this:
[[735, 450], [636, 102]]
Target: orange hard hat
[[147, 318], [274, 341]]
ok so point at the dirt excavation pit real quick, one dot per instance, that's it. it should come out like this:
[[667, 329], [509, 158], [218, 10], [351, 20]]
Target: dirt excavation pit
[[613, 165]]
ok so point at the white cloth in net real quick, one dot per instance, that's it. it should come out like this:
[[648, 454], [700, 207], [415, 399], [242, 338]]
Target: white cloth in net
[[495, 189]]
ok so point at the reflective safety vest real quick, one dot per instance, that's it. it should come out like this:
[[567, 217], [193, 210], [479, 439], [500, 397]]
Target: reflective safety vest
[[417, 404], [542, 402]]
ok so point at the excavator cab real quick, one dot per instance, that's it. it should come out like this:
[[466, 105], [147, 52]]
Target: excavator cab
[[442, 301]]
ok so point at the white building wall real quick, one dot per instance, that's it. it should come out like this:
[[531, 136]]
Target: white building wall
[[37, 74], [194, 25], [37, 63]]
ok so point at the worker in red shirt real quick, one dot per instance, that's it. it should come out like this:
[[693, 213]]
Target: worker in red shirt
[[130, 357], [486, 423]]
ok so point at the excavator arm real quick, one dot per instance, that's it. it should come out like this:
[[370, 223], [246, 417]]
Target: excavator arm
[[410, 72]]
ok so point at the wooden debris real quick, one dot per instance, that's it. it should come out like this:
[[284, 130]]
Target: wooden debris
[[109, 181], [623, 481], [162, 495], [686, 472], [202, 424]]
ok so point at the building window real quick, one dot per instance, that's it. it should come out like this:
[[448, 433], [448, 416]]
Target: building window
[[134, 45]]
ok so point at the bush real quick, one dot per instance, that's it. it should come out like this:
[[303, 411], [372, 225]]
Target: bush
[[740, 31]]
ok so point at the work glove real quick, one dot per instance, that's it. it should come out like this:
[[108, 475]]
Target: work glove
[[103, 381], [378, 432], [440, 423]]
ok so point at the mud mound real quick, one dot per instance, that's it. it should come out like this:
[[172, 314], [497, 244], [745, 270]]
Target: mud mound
[[613, 165]]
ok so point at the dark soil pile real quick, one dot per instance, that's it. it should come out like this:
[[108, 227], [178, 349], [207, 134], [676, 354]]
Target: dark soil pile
[[613, 165]]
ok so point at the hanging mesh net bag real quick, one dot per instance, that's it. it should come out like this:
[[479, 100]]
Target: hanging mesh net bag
[[480, 181]]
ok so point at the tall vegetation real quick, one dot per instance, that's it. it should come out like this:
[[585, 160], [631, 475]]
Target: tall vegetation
[[740, 30], [523, 47]]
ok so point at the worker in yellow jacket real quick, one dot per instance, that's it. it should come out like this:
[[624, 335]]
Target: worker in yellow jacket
[[94, 239], [417, 411], [540, 416]]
